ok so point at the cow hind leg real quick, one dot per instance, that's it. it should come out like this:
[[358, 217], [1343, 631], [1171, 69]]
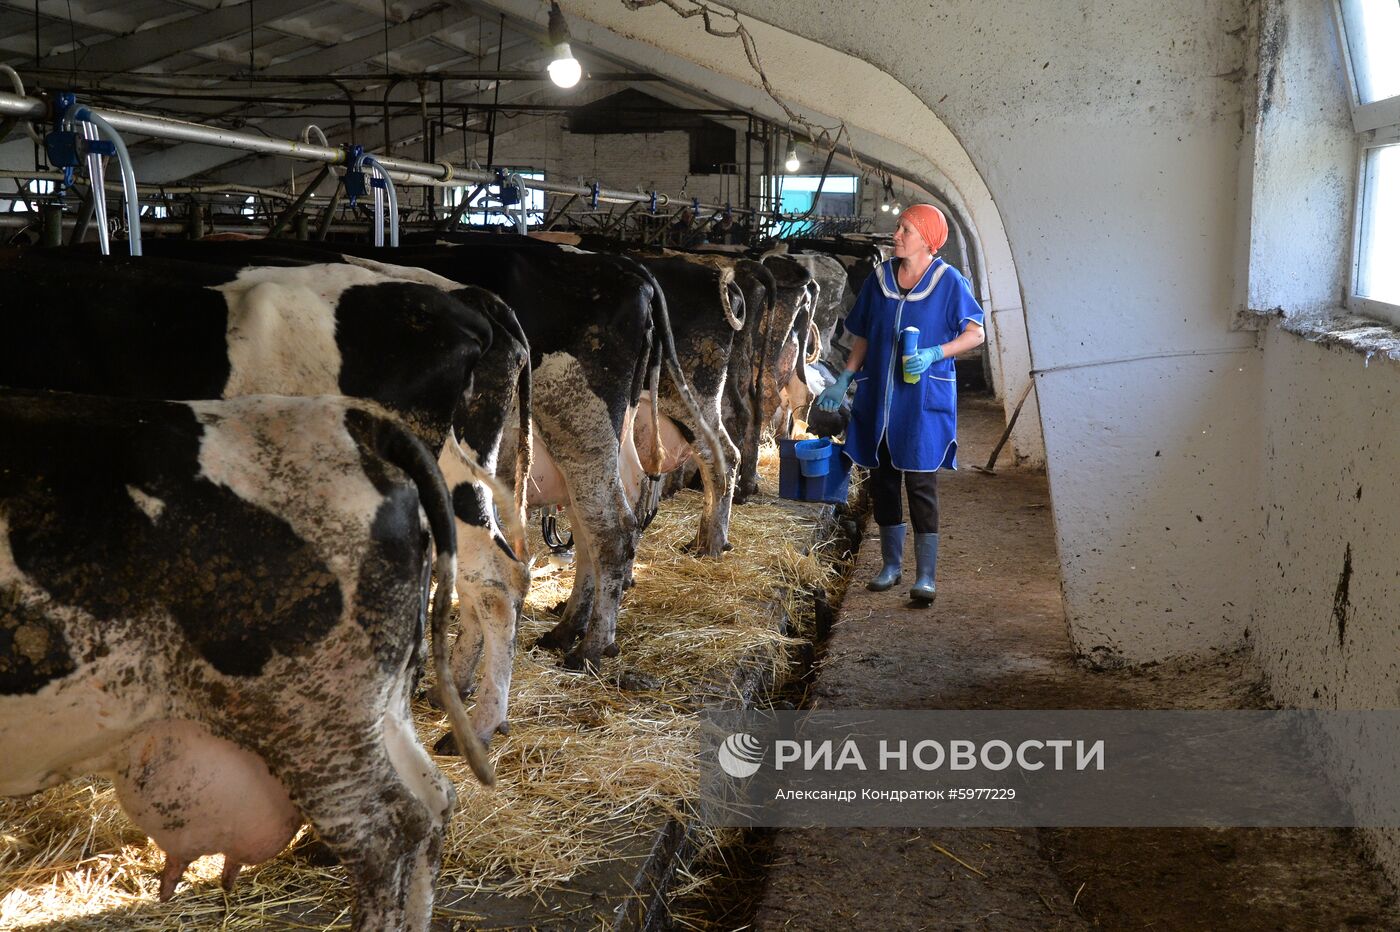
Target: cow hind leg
[[611, 543], [577, 611], [385, 826]]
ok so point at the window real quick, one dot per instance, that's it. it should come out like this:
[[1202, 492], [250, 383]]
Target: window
[[1371, 29], [486, 207], [28, 189], [796, 194], [838, 197]]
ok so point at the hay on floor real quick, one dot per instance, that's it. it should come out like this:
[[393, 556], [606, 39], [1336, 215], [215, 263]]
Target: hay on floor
[[589, 767]]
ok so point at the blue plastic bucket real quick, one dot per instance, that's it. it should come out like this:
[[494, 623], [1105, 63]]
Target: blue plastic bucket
[[813, 456], [833, 488]]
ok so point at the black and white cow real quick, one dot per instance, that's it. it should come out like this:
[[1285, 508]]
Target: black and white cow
[[783, 339], [219, 605], [162, 328], [706, 306], [598, 333], [707, 312]]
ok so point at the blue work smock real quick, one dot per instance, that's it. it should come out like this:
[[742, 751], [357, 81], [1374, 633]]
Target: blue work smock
[[919, 421]]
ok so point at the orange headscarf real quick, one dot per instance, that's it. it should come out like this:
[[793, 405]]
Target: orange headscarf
[[929, 222]]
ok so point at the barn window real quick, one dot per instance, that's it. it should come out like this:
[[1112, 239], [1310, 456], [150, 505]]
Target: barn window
[[798, 194], [487, 207], [28, 189], [1372, 32]]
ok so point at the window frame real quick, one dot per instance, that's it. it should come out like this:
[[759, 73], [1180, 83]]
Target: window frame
[[1375, 124]]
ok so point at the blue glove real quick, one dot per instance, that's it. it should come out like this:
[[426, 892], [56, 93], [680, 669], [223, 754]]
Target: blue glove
[[921, 360], [835, 393]]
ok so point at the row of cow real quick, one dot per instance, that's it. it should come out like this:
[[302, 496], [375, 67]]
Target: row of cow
[[222, 603]]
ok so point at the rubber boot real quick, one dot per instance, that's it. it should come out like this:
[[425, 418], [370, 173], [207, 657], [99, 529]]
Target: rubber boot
[[892, 549], [926, 559]]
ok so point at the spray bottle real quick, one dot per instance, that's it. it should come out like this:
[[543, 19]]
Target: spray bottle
[[908, 346]]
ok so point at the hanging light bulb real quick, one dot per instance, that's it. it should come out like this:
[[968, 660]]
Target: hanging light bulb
[[885, 207], [895, 210], [564, 70], [793, 163]]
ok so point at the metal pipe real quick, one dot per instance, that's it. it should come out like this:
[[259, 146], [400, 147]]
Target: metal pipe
[[68, 74], [324, 226], [373, 163], [297, 204], [85, 209], [148, 225], [409, 171], [162, 189], [97, 182], [133, 206], [491, 140]]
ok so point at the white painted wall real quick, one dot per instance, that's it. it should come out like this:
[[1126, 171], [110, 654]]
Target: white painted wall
[[1326, 621], [1109, 138]]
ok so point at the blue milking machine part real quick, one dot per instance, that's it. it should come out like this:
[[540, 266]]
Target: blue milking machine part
[[508, 184], [593, 197], [66, 147], [61, 144], [695, 207], [354, 180], [652, 207]]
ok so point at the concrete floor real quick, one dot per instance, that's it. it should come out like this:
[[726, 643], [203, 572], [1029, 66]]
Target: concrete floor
[[996, 639]]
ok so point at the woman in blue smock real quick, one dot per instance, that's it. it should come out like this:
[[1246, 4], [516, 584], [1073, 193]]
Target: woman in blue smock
[[902, 432]]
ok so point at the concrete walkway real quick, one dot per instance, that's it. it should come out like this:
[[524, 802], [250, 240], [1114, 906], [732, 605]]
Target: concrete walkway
[[996, 638]]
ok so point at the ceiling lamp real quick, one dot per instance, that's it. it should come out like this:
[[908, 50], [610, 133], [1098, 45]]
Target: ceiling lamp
[[793, 163], [565, 69], [895, 210], [885, 207]]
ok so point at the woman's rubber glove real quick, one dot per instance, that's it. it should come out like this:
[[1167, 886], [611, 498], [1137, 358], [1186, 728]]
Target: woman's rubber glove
[[835, 393], [921, 360]]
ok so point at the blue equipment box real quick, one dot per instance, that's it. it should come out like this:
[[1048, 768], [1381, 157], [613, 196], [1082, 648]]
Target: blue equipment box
[[831, 488]]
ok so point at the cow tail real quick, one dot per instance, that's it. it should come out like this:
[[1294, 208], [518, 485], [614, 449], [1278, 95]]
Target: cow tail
[[770, 284], [524, 447], [663, 324], [405, 451], [654, 389]]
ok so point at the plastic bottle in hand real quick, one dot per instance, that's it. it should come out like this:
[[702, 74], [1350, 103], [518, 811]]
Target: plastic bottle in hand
[[908, 346]]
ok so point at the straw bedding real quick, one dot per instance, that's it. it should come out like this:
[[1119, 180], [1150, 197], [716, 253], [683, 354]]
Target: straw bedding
[[593, 762]]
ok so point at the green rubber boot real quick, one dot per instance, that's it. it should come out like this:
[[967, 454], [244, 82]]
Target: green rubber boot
[[892, 549], [926, 559]]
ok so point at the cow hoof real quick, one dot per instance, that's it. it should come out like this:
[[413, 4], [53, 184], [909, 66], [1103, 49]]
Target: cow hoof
[[315, 852], [612, 650], [446, 746], [557, 638], [577, 659], [728, 546], [558, 608], [504, 729]]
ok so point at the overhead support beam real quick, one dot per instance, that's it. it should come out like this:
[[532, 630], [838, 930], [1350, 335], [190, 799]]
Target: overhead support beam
[[149, 46], [365, 49], [60, 11]]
